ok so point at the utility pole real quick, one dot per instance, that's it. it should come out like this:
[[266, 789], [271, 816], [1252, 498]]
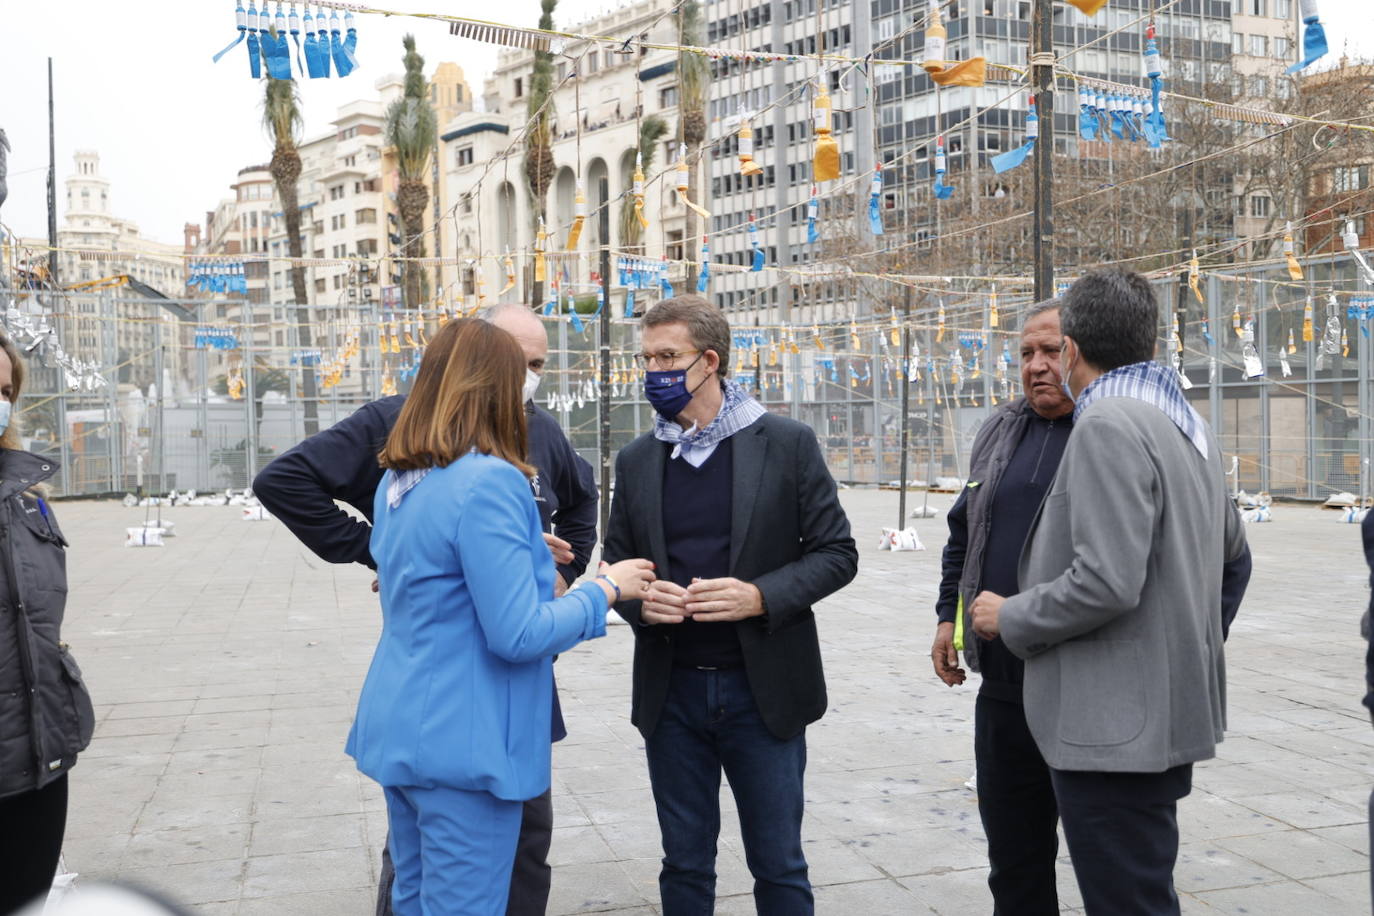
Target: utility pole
[[52, 187], [603, 373], [1042, 77], [906, 404]]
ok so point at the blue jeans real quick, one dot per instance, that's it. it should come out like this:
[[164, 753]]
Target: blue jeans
[[710, 723]]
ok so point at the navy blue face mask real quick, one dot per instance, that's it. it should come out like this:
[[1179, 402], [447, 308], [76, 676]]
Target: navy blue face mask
[[667, 391]]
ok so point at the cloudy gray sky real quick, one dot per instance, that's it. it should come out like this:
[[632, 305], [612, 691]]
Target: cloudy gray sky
[[135, 82]]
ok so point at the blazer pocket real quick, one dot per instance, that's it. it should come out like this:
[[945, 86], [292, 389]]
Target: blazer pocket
[[82, 711], [1101, 693]]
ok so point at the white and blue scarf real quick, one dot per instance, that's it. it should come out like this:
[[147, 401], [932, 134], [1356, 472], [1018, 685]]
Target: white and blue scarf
[[1154, 384], [696, 445]]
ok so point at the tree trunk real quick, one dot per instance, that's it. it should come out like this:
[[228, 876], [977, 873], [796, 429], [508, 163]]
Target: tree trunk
[[286, 169], [411, 197]]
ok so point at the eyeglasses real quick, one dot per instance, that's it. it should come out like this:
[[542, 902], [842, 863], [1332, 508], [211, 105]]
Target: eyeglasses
[[664, 359]]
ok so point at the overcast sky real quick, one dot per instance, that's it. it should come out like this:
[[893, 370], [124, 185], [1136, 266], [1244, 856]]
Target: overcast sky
[[134, 81]]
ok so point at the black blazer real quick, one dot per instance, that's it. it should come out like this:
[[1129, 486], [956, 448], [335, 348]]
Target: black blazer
[[788, 536]]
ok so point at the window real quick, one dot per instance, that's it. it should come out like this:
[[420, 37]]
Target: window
[[1258, 7], [1283, 9], [667, 97], [1283, 87], [1237, 43], [1259, 87], [319, 286], [1259, 205], [466, 201], [1350, 178], [591, 61], [674, 245], [368, 215], [350, 161], [336, 192], [337, 222], [367, 247], [1259, 45], [463, 156], [317, 227], [519, 87], [339, 251]]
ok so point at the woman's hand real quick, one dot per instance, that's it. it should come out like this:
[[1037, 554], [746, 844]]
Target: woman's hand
[[633, 577]]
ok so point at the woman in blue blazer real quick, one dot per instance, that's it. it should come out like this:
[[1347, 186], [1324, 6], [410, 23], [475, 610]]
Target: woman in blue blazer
[[453, 719]]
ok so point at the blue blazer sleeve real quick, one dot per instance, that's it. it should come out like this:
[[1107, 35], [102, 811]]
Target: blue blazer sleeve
[[498, 547]]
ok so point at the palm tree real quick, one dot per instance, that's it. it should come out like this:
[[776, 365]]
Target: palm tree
[[692, 76], [651, 130], [539, 164], [281, 116], [411, 127]]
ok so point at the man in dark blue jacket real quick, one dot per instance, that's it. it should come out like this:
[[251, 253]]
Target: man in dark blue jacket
[[300, 488]]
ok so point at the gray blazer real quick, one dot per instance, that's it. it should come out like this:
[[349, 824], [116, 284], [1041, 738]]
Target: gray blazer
[[1119, 618]]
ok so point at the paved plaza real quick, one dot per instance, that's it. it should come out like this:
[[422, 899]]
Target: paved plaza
[[225, 668]]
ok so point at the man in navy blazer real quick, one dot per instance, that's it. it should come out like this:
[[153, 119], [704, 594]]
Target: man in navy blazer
[[735, 507], [340, 463]]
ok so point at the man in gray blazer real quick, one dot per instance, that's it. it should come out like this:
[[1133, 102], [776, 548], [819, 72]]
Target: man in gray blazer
[[740, 516], [1119, 618]]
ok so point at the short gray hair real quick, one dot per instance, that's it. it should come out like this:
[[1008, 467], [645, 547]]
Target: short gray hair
[[1036, 309], [706, 325], [492, 312]]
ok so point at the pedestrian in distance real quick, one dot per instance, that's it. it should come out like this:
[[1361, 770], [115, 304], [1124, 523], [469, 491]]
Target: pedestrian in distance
[[454, 717]]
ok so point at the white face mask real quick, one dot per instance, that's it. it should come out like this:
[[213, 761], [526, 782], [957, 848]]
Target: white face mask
[[532, 380], [5, 408], [1065, 371]]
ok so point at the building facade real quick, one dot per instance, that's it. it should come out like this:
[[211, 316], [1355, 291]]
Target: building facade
[[601, 100]]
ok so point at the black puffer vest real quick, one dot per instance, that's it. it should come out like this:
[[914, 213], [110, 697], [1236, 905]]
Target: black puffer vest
[[45, 712]]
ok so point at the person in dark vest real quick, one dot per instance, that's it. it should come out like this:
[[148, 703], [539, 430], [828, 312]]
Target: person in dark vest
[[1015, 459], [1120, 615], [741, 518], [340, 463]]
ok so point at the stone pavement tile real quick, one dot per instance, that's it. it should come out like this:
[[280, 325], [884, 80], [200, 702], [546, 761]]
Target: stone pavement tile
[[1235, 779], [244, 703], [1351, 836], [1204, 816], [1352, 887], [94, 856], [99, 815], [637, 838], [179, 809], [188, 762], [1303, 809], [156, 708], [149, 725], [1208, 866], [356, 901], [210, 782], [276, 836], [921, 851], [611, 776], [595, 887], [1281, 899], [566, 811], [579, 846], [330, 750], [308, 872], [210, 738], [880, 896], [192, 882], [180, 845], [836, 861], [1297, 854], [129, 745]]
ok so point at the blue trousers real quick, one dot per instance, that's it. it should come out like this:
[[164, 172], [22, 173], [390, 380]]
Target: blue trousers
[[452, 850], [711, 723]]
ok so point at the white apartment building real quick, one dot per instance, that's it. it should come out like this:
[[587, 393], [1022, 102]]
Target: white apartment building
[[90, 225], [597, 112]]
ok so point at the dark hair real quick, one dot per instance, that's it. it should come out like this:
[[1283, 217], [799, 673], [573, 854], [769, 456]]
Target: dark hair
[[706, 325], [1111, 314], [467, 395]]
